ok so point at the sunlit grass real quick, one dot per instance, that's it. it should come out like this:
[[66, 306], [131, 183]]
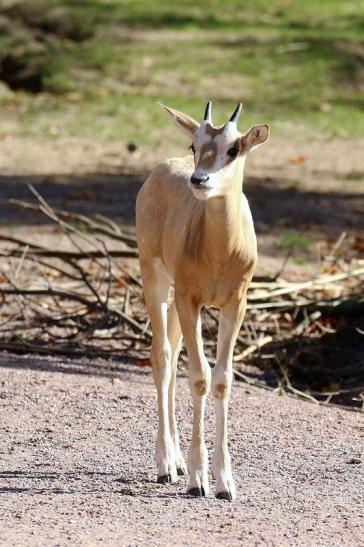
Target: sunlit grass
[[297, 65]]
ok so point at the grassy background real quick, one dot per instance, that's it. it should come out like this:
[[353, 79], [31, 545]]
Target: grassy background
[[101, 64]]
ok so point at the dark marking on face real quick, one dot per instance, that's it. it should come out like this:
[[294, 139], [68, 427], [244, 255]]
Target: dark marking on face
[[207, 156], [214, 131], [209, 151]]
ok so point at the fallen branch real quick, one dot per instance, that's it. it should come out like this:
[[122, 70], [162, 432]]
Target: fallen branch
[[82, 300], [107, 228], [253, 348]]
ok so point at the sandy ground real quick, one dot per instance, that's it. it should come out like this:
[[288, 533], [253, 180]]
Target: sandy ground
[[303, 162], [77, 464]]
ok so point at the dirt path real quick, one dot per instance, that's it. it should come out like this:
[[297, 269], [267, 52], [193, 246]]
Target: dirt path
[[77, 464]]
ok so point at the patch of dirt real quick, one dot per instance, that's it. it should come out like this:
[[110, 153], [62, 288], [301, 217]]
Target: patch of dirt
[[77, 464], [320, 165]]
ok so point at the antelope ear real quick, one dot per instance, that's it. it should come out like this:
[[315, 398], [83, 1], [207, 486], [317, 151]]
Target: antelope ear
[[254, 137], [187, 124]]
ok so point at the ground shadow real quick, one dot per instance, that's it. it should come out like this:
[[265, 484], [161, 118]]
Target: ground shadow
[[80, 482], [273, 201], [90, 367]]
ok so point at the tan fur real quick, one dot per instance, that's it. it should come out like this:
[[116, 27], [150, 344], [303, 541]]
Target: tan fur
[[201, 387], [205, 246], [221, 391]]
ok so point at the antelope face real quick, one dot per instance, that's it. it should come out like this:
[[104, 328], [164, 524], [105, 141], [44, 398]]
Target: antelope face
[[219, 152], [217, 159]]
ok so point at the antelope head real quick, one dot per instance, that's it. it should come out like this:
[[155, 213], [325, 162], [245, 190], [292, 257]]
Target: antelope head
[[219, 152]]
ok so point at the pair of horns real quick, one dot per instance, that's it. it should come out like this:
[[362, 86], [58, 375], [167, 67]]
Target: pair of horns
[[234, 118]]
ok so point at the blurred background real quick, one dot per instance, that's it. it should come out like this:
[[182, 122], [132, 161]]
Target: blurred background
[[94, 68]]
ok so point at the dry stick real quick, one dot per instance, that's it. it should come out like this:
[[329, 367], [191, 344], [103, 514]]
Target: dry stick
[[295, 393], [92, 225], [132, 276], [134, 324], [50, 292], [309, 284], [77, 352], [49, 285], [7, 321], [286, 305], [251, 349], [108, 272], [75, 297], [67, 259], [138, 328], [21, 262], [103, 305], [19, 241], [84, 275], [109, 222], [86, 254], [48, 211], [20, 302], [76, 266], [290, 386], [336, 247], [251, 382], [17, 254], [40, 250], [308, 320]]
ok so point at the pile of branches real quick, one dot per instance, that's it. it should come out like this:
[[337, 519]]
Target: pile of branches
[[83, 297]]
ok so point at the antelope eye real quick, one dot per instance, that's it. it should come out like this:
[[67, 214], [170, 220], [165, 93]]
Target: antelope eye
[[233, 152], [192, 147]]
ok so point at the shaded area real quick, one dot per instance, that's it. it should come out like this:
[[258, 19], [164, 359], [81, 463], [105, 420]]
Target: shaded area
[[331, 367], [273, 203], [91, 367], [109, 195]]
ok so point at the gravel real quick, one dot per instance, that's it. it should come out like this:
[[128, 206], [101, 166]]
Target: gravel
[[77, 464]]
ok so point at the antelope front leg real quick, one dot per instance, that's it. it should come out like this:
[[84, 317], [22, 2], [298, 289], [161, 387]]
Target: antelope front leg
[[156, 288], [200, 375], [175, 340], [231, 317]]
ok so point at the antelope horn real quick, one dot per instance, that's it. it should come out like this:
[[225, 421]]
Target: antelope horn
[[234, 118], [207, 117]]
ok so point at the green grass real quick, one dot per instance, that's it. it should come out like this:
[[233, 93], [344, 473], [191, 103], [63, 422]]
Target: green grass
[[297, 65], [297, 241]]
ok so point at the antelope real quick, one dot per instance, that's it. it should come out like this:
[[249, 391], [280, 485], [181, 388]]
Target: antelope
[[195, 233]]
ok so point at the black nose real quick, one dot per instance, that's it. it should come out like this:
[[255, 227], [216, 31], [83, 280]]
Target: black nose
[[199, 180]]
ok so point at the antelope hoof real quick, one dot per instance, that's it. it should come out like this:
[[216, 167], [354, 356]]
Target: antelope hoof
[[224, 496], [180, 464], [197, 492], [164, 479]]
